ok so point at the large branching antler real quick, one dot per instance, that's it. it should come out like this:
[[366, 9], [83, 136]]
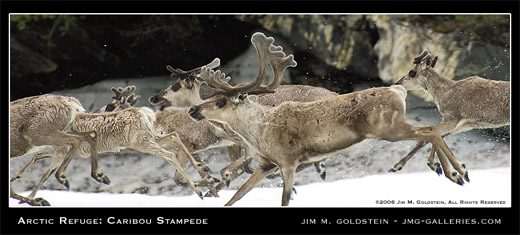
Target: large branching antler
[[179, 73], [218, 84], [189, 76], [279, 66]]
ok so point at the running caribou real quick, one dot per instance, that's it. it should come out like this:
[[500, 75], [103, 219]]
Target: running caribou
[[467, 104], [128, 128], [293, 133], [39, 122], [184, 92]]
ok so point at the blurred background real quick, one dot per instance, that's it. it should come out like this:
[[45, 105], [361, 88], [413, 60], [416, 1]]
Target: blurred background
[[85, 55]]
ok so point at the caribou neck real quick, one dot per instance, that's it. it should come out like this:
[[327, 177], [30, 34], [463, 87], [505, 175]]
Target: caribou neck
[[436, 84], [247, 121]]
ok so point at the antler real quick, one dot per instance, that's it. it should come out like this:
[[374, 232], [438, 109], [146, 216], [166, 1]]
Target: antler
[[279, 66], [426, 57], [122, 92], [124, 96], [179, 73], [132, 99], [418, 59], [217, 82]]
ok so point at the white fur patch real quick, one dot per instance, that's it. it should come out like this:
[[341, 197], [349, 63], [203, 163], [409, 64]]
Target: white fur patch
[[218, 144], [339, 152], [149, 114], [401, 93], [38, 149], [75, 107]]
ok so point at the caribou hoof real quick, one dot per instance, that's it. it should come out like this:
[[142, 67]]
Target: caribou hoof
[[15, 178], [395, 169], [203, 166], [106, 180], [212, 193], [438, 168], [200, 195], [67, 185], [323, 175], [207, 169], [214, 180], [457, 178], [102, 178], [63, 180], [41, 202], [228, 182], [460, 181], [466, 177]]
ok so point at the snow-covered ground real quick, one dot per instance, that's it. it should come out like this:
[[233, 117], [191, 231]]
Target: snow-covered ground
[[424, 189]]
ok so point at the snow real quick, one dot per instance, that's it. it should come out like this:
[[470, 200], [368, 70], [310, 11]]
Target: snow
[[487, 185]]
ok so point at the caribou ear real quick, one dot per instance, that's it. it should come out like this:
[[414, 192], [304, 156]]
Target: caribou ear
[[206, 92], [110, 107], [434, 61], [135, 100], [190, 80]]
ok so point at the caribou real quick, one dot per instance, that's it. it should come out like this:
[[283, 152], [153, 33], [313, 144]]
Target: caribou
[[467, 104], [294, 133]]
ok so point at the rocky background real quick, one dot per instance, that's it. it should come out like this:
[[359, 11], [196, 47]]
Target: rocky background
[[334, 51], [83, 56]]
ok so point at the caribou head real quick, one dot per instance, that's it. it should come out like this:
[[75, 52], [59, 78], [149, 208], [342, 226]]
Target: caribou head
[[184, 91], [414, 79], [222, 96]]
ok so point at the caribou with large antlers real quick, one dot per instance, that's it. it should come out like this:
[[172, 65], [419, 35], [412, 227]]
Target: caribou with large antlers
[[470, 103], [184, 92], [295, 133]]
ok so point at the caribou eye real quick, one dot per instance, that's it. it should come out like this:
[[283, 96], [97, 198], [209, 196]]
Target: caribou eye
[[242, 96], [412, 73], [176, 86], [221, 102], [110, 107]]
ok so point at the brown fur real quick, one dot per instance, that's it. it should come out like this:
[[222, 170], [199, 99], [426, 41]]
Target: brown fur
[[129, 128], [295, 133], [187, 92], [40, 121], [470, 103], [198, 136]]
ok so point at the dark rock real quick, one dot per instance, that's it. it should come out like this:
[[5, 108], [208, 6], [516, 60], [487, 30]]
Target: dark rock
[[332, 51], [28, 61], [75, 53], [338, 52], [462, 53]]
